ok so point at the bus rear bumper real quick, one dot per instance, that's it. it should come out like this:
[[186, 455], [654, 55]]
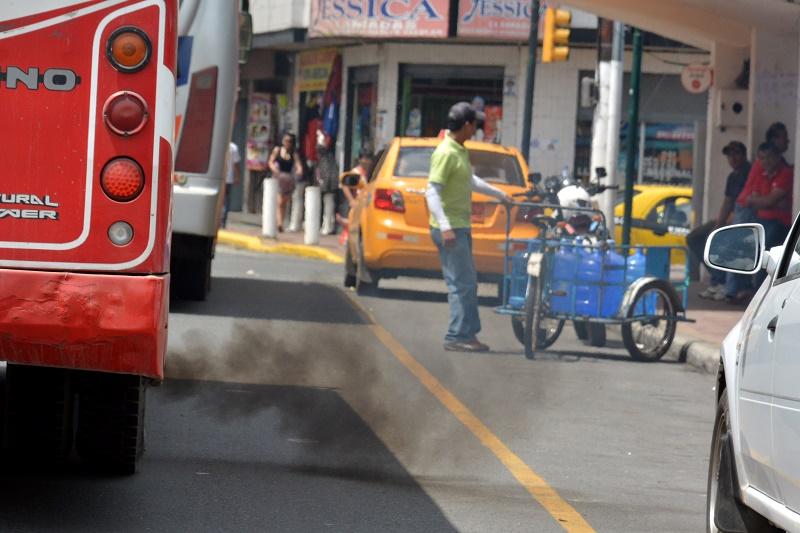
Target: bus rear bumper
[[101, 322], [195, 210]]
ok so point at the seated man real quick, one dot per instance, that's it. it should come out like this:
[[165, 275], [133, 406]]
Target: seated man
[[736, 153], [768, 192]]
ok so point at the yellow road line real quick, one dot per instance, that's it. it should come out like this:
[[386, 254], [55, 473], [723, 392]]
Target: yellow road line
[[547, 497], [254, 244]]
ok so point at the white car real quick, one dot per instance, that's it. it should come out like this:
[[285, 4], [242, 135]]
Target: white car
[[754, 473]]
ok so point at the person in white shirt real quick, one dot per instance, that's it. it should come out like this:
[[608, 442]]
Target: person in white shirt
[[232, 172]]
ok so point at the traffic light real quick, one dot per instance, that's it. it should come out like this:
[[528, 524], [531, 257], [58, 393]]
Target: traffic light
[[555, 42]]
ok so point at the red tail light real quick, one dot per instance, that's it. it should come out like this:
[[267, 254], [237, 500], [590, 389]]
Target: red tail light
[[122, 179], [198, 123], [389, 200], [125, 113]]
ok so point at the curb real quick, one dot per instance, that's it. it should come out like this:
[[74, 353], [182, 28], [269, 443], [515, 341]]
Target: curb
[[700, 355], [255, 244]]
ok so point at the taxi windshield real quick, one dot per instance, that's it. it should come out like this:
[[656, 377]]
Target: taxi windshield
[[494, 167]]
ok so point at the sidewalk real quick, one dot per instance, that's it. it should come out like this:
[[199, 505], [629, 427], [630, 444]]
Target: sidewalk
[[244, 231], [697, 343]]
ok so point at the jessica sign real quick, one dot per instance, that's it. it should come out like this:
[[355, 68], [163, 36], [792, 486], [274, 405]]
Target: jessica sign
[[498, 19], [379, 18]]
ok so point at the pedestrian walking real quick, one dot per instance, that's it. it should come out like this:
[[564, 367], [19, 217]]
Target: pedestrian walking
[[449, 198], [286, 167], [736, 152], [232, 173]]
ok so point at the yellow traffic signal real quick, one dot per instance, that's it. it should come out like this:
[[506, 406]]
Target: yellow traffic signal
[[555, 42]]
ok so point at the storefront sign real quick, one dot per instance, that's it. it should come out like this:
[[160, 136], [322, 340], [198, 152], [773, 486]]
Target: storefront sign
[[315, 69], [697, 78], [379, 18], [495, 19]]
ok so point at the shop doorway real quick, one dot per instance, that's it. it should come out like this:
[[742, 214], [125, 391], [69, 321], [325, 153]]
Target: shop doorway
[[428, 91], [362, 102]]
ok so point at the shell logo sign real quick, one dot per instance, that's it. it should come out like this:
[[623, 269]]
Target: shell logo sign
[[379, 18]]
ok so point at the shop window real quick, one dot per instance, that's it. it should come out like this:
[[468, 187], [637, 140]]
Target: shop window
[[428, 91]]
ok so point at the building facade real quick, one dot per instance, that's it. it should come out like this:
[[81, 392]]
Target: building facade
[[368, 79]]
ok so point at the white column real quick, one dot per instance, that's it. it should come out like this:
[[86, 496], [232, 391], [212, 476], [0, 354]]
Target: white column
[[728, 63], [615, 81]]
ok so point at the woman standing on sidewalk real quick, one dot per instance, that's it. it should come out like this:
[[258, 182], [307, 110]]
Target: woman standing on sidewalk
[[285, 164]]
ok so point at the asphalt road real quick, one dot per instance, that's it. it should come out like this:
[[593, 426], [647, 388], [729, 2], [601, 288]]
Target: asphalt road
[[289, 408]]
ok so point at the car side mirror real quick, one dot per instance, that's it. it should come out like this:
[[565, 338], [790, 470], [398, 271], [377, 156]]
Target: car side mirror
[[772, 259], [350, 179], [535, 178], [738, 249], [601, 172]]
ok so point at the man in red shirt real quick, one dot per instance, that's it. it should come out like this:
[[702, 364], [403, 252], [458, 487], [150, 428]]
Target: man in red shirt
[[768, 195], [769, 192]]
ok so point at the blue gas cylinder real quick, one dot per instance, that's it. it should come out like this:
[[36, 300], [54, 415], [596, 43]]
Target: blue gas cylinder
[[637, 266], [614, 271], [565, 266], [587, 282]]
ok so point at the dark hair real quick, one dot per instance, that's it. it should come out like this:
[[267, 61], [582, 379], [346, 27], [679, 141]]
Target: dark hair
[[364, 154], [291, 135], [769, 147], [459, 115], [775, 129]]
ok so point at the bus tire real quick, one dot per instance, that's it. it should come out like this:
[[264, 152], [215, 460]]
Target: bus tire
[[190, 279], [111, 421], [38, 412]]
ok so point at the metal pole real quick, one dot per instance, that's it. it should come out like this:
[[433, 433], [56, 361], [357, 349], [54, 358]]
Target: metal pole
[[633, 128], [527, 116]]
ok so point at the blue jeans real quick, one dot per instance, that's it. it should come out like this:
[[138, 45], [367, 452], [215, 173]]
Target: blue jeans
[[458, 269]]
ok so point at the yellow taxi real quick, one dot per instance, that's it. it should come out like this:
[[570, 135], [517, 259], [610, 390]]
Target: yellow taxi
[[389, 234], [661, 216]]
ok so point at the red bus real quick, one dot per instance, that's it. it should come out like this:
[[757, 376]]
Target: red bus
[[88, 114]]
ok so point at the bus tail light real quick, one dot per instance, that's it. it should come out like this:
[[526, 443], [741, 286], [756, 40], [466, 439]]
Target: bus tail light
[[125, 113], [129, 49], [122, 179], [389, 200], [197, 132]]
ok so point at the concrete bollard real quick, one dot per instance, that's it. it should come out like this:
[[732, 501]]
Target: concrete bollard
[[313, 213], [269, 209]]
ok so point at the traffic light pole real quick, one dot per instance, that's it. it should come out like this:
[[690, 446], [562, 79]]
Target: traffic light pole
[[633, 130], [533, 45]]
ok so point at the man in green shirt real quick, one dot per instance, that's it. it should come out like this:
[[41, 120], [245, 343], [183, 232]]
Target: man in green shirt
[[449, 197]]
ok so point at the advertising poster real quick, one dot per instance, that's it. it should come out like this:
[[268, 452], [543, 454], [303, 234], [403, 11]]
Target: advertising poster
[[379, 18], [260, 131], [315, 69]]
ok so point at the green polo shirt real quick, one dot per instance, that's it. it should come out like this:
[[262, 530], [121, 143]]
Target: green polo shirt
[[450, 167]]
